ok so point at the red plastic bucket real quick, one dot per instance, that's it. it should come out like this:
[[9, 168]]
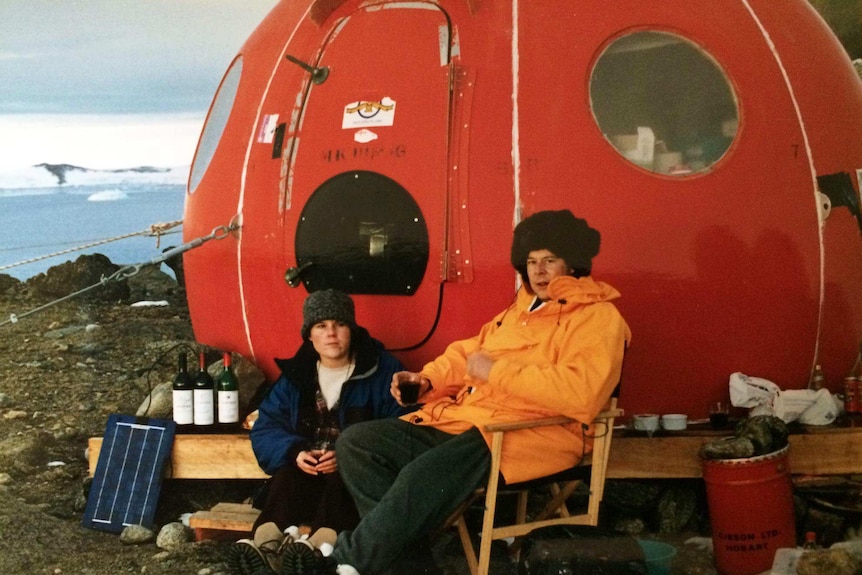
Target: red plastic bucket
[[750, 510]]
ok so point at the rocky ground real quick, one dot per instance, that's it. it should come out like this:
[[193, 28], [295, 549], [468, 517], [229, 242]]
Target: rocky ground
[[63, 371]]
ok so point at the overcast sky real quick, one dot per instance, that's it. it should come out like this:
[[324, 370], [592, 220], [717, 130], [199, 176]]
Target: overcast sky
[[159, 60], [120, 83]]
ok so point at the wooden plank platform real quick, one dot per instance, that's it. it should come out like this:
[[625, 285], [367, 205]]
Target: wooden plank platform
[[225, 521], [204, 456], [819, 451]]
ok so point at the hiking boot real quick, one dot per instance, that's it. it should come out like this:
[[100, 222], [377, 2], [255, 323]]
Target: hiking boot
[[243, 558], [261, 555], [269, 541], [311, 556], [300, 558]]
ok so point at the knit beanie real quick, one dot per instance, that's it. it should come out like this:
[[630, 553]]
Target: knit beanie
[[327, 304], [560, 232]]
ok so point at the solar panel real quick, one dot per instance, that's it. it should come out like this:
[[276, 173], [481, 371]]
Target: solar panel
[[128, 477]]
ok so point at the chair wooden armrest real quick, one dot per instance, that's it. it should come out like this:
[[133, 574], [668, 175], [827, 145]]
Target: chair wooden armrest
[[558, 420]]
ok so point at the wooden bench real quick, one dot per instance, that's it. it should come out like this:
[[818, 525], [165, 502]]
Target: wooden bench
[[819, 451], [202, 457]]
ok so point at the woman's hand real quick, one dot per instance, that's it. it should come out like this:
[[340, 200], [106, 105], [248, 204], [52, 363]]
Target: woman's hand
[[317, 462]]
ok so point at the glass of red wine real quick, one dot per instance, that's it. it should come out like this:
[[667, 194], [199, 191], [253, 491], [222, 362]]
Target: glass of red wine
[[719, 414]]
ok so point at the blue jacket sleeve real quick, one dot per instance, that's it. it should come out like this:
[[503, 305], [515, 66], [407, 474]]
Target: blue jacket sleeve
[[274, 434]]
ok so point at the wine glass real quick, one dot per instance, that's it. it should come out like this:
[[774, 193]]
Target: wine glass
[[719, 414], [323, 440]]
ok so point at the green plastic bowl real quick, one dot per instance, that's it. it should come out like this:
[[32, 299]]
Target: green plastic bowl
[[659, 556]]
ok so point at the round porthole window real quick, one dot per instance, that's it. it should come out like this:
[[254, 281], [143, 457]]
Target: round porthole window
[[663, 103], [362, 233]]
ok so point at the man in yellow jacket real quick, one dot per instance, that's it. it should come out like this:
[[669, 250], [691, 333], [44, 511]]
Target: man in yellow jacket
[[557, 350]]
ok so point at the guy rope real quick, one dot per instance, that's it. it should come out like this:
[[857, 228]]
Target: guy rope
[[157, 230], [125, 272]]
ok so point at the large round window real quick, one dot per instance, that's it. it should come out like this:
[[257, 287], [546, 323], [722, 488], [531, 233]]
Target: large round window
[[663, 103], [216, 122], [362, 233]]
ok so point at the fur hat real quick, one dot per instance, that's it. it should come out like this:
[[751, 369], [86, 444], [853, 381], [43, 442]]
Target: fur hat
[[327, 304], [560, 232]]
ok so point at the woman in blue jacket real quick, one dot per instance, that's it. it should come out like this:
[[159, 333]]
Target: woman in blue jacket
[[339, 376]]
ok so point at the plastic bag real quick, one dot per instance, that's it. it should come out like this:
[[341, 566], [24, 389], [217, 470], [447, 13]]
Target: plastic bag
[[764, 397]]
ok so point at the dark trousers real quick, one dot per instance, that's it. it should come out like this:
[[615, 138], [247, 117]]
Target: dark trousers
[[293, 497], [406, 480]]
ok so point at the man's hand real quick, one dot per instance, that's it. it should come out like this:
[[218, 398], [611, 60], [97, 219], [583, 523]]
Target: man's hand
[[407, 377]]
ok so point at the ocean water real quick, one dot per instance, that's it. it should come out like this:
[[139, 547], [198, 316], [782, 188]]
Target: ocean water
[[39, 221]]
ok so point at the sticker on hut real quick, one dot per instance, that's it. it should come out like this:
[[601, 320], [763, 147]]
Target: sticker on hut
[[268, 124], [365, 113], [364, 136]]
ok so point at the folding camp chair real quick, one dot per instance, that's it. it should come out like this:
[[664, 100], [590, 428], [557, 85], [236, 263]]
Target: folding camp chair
[[562, 486]]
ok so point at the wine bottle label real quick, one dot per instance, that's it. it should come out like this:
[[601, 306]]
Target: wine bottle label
[[182, 402], [228, 406], [204, 407]]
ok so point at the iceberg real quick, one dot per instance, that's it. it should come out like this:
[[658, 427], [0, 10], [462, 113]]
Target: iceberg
[[58, 175], [107, 196]]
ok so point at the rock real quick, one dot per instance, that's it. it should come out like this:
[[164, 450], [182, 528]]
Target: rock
[[676, 507], [15, 414], [91, 348], [630, 526], [8, 283], [86, 271], [23, 453], [162, 556], [79, 502], [5, 400], [159, 403], [853, 547], [827, 562], [137, 535], [175, 263], [62, 332], [173, 535], [153, 284], [632, 496], [828, 526]]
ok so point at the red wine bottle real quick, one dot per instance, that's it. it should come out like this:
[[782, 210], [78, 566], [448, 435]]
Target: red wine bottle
[[228, 395], [204, 408], [183, 394]]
